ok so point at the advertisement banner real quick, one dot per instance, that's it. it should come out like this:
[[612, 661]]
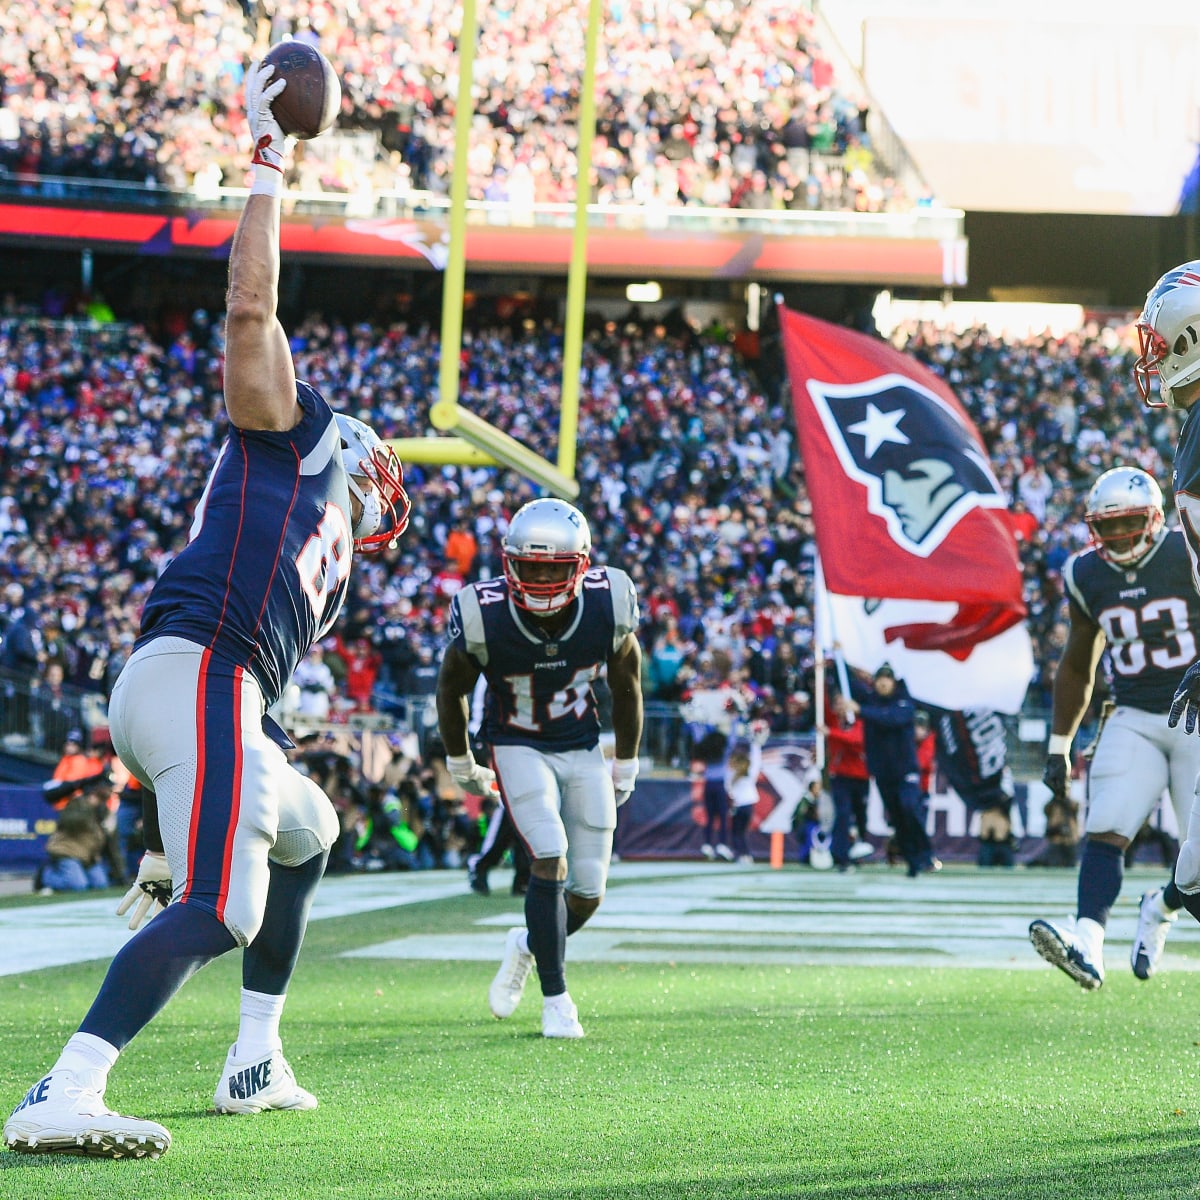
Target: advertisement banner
[[788, 254], [26, 821]]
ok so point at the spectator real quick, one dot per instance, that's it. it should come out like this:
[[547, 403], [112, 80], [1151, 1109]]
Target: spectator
[[74, 762], [849, 784], [890, 742], [315, 681], [363, 662], [741, 787], [76, 852]]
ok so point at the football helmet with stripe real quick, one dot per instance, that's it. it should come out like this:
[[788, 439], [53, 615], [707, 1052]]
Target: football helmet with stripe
[[546, 553], [1125, 515], [385, 503], [1169, 336]]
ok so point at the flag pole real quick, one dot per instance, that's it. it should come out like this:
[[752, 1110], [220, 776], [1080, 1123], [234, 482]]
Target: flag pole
[[825, 629]]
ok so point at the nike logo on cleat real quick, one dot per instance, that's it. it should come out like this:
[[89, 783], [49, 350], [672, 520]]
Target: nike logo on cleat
[[35, 1095], [249, 1080]]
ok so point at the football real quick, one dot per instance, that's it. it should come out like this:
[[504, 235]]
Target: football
[[310, 102]]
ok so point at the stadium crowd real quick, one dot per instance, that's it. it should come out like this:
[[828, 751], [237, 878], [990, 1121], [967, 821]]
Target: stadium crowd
[[726, 105], [688, 468]]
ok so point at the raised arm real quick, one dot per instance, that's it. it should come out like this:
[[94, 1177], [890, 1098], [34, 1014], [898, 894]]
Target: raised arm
[[260, 378]]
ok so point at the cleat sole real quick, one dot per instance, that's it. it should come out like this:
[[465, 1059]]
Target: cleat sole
[[1052, 948]]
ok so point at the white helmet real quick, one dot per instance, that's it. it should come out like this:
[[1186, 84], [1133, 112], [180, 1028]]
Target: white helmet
[[1169, 335], [1121, 493], [546, 531], [366, 457]]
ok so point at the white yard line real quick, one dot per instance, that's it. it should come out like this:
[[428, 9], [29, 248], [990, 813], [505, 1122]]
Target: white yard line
[[687, 912]]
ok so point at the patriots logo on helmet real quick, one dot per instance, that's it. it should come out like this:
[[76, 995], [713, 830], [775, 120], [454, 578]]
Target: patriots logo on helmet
[[922, 469], [1182, 276]]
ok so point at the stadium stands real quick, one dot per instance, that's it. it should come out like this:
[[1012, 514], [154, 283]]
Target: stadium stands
[[722, 106], [688, 469]]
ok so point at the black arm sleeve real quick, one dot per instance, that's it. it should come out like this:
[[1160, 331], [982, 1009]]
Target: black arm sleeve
[[150, 833]]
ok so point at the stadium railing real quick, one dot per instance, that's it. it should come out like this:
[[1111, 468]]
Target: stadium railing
[[33, 723], [918, 222]]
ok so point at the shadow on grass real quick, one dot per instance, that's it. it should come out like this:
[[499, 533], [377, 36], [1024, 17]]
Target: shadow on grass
[[1148, 1164]]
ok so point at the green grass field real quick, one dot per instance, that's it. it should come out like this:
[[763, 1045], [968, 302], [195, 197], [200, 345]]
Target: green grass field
[[740, 1043]]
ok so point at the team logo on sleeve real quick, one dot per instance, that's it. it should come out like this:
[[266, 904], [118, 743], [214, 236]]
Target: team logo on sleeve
[[922, 469]]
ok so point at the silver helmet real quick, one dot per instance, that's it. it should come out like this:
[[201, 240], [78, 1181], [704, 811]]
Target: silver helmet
[[385, 506], [1169, 336], [1125, 514], [546, 531]]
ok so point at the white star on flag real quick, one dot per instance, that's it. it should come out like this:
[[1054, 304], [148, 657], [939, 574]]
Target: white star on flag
[[879, 427]]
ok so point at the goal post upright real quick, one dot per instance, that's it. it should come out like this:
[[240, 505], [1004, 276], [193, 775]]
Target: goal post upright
[[568, 421], [474, 441]]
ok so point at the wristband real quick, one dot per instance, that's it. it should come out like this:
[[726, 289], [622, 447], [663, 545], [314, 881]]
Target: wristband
[[268, 181], [460, 762], [1060, 743]]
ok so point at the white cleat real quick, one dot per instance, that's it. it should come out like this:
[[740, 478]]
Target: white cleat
[[257, 1084], [560, 1017], [509, 985], [1154, 923], [64, 1113], [1066, 951]]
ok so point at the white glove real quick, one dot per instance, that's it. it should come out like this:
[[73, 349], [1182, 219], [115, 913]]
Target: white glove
[[151, 890], [470, 776], [624, 777], [270, 144]]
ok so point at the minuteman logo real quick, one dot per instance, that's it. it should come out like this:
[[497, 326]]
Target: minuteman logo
[[922, 469]]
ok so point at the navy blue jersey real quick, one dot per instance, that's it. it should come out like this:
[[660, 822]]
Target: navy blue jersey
[[540, 689], [268, 562], [1149, 614], [1185, 482]]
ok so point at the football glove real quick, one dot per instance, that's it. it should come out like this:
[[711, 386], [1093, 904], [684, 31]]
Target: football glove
[[151, 890], [624, 777], [470, 776], [1187, 700], [1056, 774], [270, 144]]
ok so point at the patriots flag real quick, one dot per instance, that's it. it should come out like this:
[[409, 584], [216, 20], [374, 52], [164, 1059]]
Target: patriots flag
[[919, 561]]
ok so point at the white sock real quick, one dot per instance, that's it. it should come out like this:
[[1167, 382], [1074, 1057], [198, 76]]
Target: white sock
[[258, 1032], [1091, 934], [89, 1056], [523, 942]]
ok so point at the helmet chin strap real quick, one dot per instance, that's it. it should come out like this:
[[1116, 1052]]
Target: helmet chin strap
[[372, 510]]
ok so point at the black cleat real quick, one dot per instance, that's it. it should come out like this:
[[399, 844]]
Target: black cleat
[[478, 883]]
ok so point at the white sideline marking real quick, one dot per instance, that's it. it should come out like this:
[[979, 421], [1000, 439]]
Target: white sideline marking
[[721, 915], [687, 912], [55, 935]]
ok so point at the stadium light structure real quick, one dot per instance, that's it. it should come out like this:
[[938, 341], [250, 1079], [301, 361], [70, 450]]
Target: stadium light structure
[[643, 293]]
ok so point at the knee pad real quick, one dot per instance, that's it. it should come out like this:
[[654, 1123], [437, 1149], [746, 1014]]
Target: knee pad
[[309, 831], [587, 879]]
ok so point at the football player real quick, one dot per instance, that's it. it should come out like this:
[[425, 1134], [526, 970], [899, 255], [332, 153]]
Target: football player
[[295, 490], [1169, 334], [1132, 592], [541, 635]]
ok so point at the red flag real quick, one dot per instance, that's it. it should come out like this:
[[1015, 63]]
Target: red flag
[[905, 505]]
